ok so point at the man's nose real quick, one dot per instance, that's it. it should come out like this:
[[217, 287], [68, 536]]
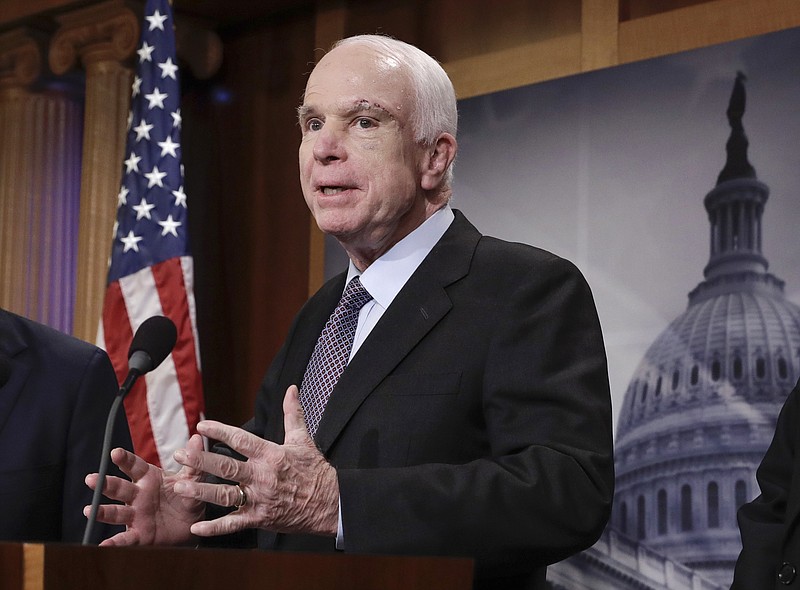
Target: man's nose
[[328, 144]]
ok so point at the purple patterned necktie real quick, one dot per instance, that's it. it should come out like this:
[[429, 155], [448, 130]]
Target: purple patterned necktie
[[331, 353]]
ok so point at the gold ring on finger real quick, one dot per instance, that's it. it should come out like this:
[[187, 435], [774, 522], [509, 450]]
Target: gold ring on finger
[[242, 499]]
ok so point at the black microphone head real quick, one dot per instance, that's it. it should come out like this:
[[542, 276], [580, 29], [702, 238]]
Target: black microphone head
[[151, 344], [5, 369]]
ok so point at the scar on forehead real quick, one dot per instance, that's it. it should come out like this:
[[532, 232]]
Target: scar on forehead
[[365, 105], [348, 109]]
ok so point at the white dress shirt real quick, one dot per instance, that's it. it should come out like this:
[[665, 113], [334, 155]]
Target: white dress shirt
[[388, 274]]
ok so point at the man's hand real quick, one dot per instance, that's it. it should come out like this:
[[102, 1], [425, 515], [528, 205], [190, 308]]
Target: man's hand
[[152, 512], [290, 488]]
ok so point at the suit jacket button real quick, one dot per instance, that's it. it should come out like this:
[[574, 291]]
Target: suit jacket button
[[787, 573]]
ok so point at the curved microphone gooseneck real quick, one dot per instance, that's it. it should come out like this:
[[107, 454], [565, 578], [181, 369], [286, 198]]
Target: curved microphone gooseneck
[[151, 344]]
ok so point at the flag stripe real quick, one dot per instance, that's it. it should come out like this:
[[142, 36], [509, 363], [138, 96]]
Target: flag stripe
[[167, 416], [115, 338], [116, 330], [141, 301], [169, 279], [187, 264]]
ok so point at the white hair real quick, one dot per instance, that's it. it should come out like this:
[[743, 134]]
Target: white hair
[[435, 111]]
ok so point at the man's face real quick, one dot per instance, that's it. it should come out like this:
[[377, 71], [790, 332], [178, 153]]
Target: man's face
[[359, 164]]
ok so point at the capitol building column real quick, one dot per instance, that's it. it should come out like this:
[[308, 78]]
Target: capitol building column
[[39, 162], [20, 65], [100, 38]]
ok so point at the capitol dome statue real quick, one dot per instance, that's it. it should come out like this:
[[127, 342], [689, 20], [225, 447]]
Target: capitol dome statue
[[701, 407]]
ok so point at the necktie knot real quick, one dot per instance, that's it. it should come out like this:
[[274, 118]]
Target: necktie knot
[[355, 295]]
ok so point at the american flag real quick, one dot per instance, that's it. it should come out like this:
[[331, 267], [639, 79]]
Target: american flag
[[151, 269]]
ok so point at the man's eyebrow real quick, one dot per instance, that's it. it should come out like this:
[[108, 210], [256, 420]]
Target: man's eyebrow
[[347, 110], [303, 111]]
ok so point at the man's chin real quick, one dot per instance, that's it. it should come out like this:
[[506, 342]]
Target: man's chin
[[334, 223]]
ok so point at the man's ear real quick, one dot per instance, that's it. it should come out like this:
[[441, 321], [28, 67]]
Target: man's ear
[[437, 160]]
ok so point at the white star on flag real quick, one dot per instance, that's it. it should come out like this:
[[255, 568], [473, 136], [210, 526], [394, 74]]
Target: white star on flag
[[122, 197], [143, 209], [156, 99], [145, 52], [131, 241], [142, 130], [154, 177], [168, 147], [170, 226], [168, 69], [180, 197], [156, 20], [132, 163]]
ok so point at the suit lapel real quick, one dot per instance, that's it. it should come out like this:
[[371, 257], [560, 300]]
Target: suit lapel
[[416, 310], [303, 337], [320, 308], [11, 345]]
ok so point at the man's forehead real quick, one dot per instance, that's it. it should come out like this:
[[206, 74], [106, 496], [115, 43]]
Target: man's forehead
[[357, 66], [360, 55]]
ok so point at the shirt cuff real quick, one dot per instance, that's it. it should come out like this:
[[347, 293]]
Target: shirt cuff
[[340, 531]]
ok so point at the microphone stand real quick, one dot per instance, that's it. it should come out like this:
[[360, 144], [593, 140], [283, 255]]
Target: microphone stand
[[105, 455]]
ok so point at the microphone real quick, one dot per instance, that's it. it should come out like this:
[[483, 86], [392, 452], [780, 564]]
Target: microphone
[[5, 369], [151, 344]]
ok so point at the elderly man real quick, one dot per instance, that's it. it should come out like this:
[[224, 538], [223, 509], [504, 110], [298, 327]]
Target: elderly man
[[454, 401]]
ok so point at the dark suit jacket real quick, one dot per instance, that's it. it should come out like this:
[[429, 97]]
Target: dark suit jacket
[[475, 420], [53, 411], [769, 524]]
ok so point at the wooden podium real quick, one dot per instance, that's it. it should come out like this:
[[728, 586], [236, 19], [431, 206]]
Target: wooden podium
[[75, 567]]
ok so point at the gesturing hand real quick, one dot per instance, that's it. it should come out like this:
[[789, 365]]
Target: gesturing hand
[[290, 488], [152, 512]]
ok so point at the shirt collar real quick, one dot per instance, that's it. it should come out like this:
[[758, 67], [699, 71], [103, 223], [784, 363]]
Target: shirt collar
[[386, 276]]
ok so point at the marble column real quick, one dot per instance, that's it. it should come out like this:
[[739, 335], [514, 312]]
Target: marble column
[[39, 170], [100, 38]]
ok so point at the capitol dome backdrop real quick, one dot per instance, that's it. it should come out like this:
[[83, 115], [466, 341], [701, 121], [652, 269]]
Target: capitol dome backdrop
[[674, 185]]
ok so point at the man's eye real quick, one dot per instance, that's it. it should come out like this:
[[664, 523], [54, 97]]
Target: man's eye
[[364, 123], [314, 125]]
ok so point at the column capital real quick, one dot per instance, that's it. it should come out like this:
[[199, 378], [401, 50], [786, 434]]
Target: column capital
[[108, 31], [20, 58]]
